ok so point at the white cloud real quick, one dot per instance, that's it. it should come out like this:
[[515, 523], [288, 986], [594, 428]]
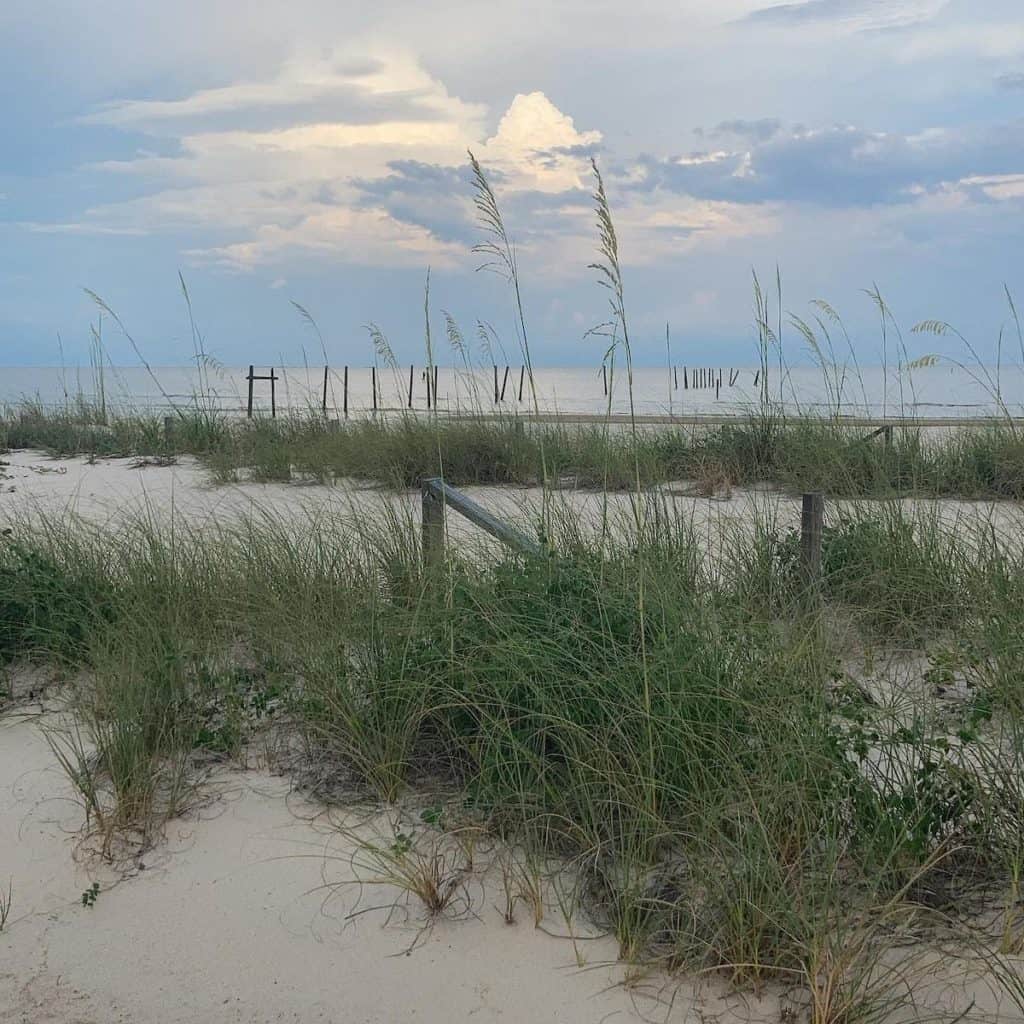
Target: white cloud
[[538, 147], [997, 186]]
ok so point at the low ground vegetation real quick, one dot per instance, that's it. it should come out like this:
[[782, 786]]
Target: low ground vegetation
[[794, 452]]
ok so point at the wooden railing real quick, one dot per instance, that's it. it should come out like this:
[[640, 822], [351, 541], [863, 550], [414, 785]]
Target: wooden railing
[[437, 495]]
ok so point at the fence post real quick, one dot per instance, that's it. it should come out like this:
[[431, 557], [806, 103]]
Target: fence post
[[812, 522], [433, 528], [250, 379]]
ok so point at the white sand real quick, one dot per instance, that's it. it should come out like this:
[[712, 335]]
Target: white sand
[[112, 489], [227, 923]]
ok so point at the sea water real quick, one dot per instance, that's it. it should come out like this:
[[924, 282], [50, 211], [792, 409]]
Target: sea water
[[945, 390]]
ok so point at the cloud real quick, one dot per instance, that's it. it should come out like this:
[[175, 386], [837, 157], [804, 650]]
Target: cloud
[[840, 166], [756, 131], [1011, 80], [387, 182], [538, 147], [354, 91], [857, 14]]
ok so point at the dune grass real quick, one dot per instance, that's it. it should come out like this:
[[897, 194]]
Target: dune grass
[[769, 798], [794, 452]]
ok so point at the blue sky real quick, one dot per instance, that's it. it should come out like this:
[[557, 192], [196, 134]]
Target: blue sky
[[315, 151]]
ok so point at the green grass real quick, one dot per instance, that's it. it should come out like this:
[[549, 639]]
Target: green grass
[[796, 452], [729, 796]]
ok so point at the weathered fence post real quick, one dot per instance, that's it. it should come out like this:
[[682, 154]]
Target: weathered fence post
[[345, 394], [433, 527], [812, 522], [324, 404], [273, 396], [250, 379]]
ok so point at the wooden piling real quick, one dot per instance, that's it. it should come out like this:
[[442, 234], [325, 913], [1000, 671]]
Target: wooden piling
[[604, 378], [345, 393], [411, 370], [812, 524], [373, 385], [250, 378], [522, 377], [273, 398], [432, 529], [504, 382]]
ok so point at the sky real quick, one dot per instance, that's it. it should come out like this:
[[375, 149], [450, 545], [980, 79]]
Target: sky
[[315, 152]]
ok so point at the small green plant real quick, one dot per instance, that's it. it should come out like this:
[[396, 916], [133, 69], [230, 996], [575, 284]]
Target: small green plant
[[90, 895], [6, 900]]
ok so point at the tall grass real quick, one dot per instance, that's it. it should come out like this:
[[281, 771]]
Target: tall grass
[[736, 789]]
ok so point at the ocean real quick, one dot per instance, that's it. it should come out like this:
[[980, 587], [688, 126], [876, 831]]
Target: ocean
[[944, 390]]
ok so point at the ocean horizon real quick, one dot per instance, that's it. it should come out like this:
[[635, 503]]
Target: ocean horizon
[[944, 389]]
